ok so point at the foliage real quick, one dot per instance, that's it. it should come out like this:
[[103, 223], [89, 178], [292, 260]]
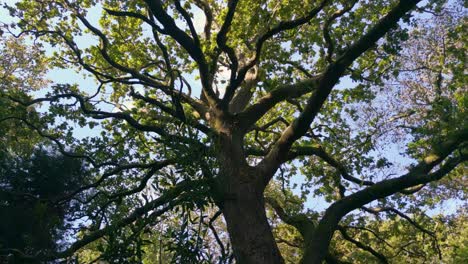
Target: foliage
[[31, 187], [22, 70]]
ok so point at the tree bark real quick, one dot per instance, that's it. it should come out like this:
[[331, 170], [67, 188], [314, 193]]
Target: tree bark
[[248, 227], [316, 247], [243, 206]]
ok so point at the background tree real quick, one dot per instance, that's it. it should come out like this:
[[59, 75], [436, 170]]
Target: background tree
[[266, 112], [33, 175], [22, 70], [33, 222]]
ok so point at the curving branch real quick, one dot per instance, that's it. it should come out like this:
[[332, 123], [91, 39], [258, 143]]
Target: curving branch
[[203, 5], [172, 112], [221, 40], [253, 113], [282, 26], [374, 233], [419, 174], [194, 50], [379, 256], [401, 214], [296, 65], [411, 221], [154, 166], [145, 79], [178, 113], [301, 222], [326, 28], [104, 50], [134, 15], [97, 114], [318, 151], [215, 234], [311, 150], [189, 21], [59, 144]]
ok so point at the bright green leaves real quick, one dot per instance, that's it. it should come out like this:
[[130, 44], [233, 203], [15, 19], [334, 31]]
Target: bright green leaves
[[22, 71], [395, 237], [23, 66]]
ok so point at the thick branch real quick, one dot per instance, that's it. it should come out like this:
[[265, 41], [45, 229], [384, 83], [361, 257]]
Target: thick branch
[[419, 174], [187, 43], [254, 112], [331, 76]]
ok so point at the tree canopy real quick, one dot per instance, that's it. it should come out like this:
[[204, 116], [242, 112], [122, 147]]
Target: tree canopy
[[206, 131]]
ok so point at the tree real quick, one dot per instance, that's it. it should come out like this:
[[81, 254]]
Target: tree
[[33, 175], [22, 70], [34, 221], [267, 110]]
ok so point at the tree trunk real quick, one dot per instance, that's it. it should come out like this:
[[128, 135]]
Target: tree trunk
[[317, 244], [316, 249], [243, 206], [248, 227]]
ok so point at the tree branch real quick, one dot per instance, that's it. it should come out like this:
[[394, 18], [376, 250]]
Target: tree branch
[[419, 174], [328, 80], [187, 43], [221, 41], [362, 246], [168, 198], [208, 15], [282, 26], [318, 151], [253, 113], [326, 29]]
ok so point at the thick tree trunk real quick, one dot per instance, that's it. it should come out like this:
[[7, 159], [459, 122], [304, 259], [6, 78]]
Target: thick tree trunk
[[318, 242], [243, 207], [247, 224]]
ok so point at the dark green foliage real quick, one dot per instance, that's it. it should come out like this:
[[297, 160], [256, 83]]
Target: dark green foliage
[[30, 187]]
